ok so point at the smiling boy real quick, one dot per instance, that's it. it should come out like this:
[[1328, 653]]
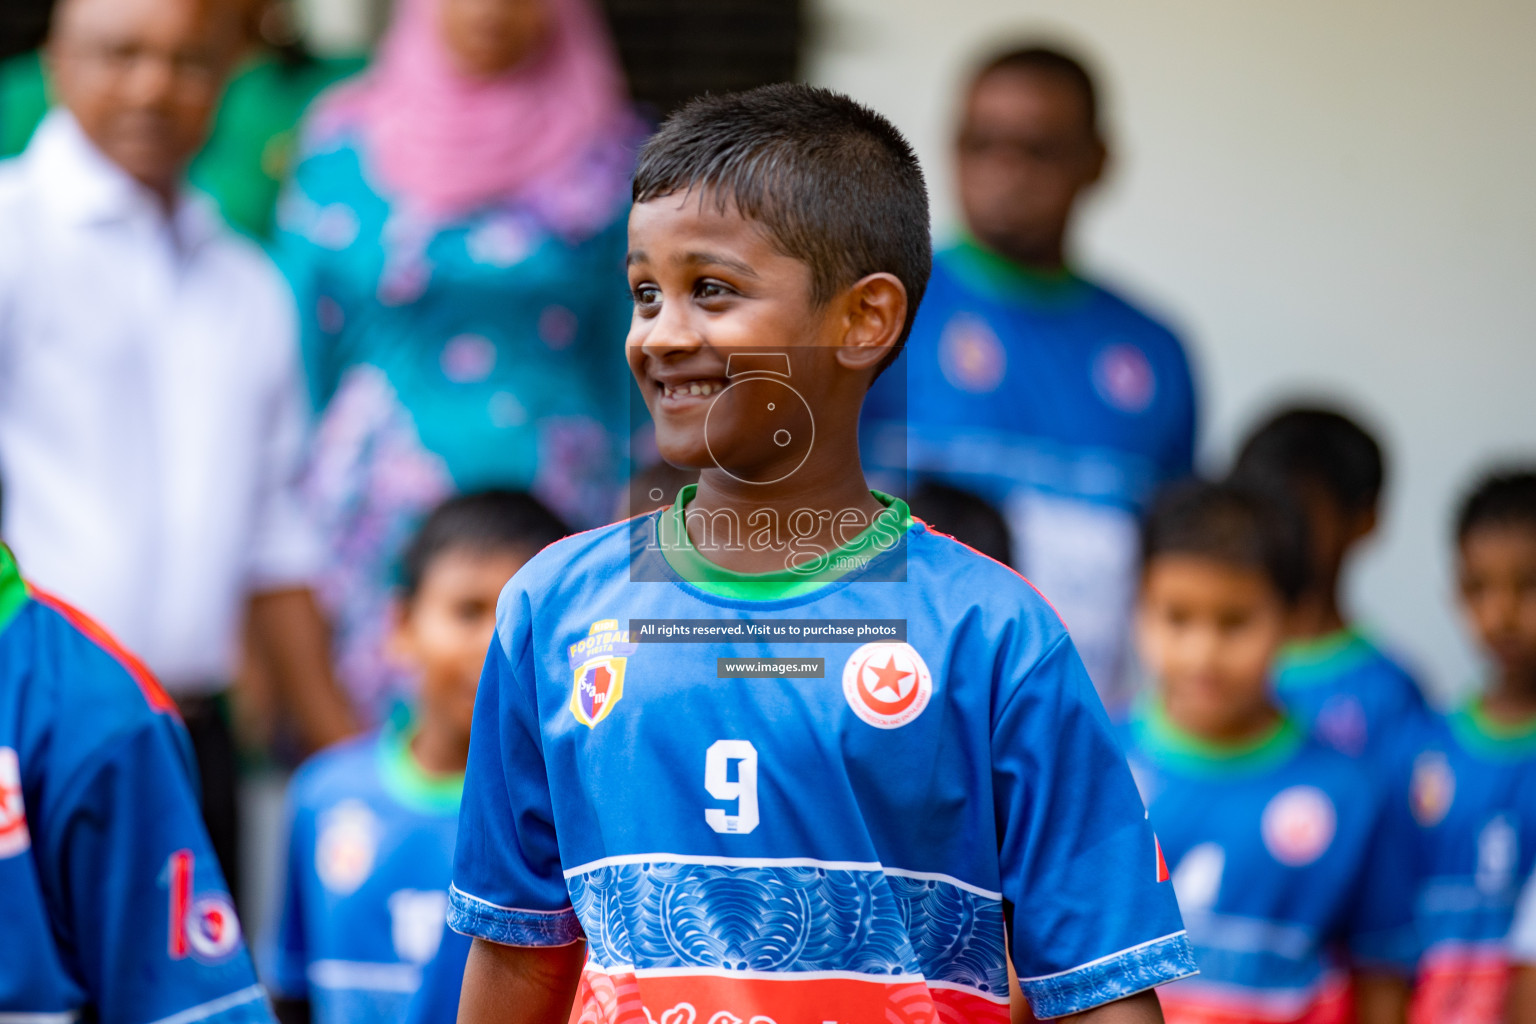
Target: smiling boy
[[848, 839]]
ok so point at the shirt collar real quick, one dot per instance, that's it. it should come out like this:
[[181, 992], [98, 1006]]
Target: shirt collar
[[13, 591], [84, 188]]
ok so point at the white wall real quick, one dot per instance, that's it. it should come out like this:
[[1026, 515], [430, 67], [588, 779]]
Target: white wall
[[1327, 195]]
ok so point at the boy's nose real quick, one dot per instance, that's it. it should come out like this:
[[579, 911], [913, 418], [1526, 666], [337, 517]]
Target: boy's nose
[[671, 332]]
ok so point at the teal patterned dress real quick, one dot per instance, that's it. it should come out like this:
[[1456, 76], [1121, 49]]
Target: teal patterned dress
[[451, 357]]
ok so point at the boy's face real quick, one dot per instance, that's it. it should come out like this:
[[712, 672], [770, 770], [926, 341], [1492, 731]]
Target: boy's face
[[1497, 568], [444, 631], [1333, 530], [710, 285], [1025, 153], [1209, 632]]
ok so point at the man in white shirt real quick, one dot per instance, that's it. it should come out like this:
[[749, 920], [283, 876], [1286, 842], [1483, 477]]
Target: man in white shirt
[[152, 416]]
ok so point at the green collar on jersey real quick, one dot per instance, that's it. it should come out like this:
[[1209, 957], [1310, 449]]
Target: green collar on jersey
[[407, 782], [13, 591], [1481, 733], [1304, 662], [687, 561], [1012, 282], [1154, 730]]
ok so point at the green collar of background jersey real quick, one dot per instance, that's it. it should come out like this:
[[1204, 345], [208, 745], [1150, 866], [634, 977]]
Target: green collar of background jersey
[[13, 592], [1304, 662], [1482, 734], [686, 560], [1184, 751], [1012, 282], [406, 781]]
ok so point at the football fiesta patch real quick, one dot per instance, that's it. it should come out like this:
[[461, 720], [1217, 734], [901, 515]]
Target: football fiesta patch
[[887, 684], [598, 661]]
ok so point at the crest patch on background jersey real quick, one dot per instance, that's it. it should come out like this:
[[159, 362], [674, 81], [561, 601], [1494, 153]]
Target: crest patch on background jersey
[[347, 846], [971, 356], [887, 684], [1433, 788], [598, 663], [1298, 825], [1123, 377], [14, 837]]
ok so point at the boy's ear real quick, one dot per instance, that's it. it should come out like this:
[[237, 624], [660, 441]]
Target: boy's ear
[[1363, 525], [875, 312]]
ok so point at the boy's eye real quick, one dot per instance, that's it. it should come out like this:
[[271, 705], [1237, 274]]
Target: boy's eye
[[711, 290], [646, 294]]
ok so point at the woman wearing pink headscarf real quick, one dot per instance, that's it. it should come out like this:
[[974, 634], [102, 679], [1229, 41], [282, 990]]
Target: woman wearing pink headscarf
[[455, 236]]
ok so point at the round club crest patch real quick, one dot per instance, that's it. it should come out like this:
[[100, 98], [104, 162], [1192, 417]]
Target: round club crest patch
[[213, 930], [1298, 825], [347, 847], [887, 684], [14, 837], [971, 356], [1123, 377], [1432, 789]]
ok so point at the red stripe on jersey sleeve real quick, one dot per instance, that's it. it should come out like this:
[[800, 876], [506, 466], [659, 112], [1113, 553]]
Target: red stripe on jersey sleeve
[[156, 697]]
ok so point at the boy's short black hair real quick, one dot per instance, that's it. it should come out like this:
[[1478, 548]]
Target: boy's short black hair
[[1241, 523], [1503, 498], [482, 522], [1312, 446], [834, 184], [1049, 60], [964, 516]]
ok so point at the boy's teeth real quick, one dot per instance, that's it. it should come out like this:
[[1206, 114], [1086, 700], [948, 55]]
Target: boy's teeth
[[691, 388]]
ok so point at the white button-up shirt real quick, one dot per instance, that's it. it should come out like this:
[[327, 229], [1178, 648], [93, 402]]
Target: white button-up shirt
[[152, 414]]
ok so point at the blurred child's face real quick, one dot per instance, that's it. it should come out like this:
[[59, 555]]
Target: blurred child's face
[[1497, 567], [1025, 153], [1209, 631], [1333, 531], [446, 628], [707, 285]]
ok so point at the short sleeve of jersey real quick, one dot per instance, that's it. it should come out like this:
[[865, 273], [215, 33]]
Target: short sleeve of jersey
[[508, 886], [1093, 918], [143, 903]]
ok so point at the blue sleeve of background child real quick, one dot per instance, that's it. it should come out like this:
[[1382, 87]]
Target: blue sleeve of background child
[[1380, 930], [437, 1001], [129, 829], [287, 964], [508, 886], [1090, 921]]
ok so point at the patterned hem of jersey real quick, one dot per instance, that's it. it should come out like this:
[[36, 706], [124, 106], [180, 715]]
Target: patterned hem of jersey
[[508, 926], [1113, 977]]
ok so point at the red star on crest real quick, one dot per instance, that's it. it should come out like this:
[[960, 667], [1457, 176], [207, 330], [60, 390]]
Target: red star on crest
[[890, 677]]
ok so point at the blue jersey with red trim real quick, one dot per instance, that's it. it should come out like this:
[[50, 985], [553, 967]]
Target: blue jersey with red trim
[[1290, 868], [370, 854], [1349, 693], [1059, 402], [114, 906], [1473, 796], [849, 846]]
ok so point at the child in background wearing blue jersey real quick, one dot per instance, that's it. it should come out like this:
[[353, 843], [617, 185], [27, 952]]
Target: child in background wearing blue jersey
[[1291, 871], [372, 821], [686, 831], [1335, 680], [1473, 782]]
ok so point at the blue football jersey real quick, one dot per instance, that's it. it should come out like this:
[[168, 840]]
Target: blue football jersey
[[370, 855], [1349, 693], [1059, 402], [1290, 867], [114, 908], [848, 847], [1473, 796]]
